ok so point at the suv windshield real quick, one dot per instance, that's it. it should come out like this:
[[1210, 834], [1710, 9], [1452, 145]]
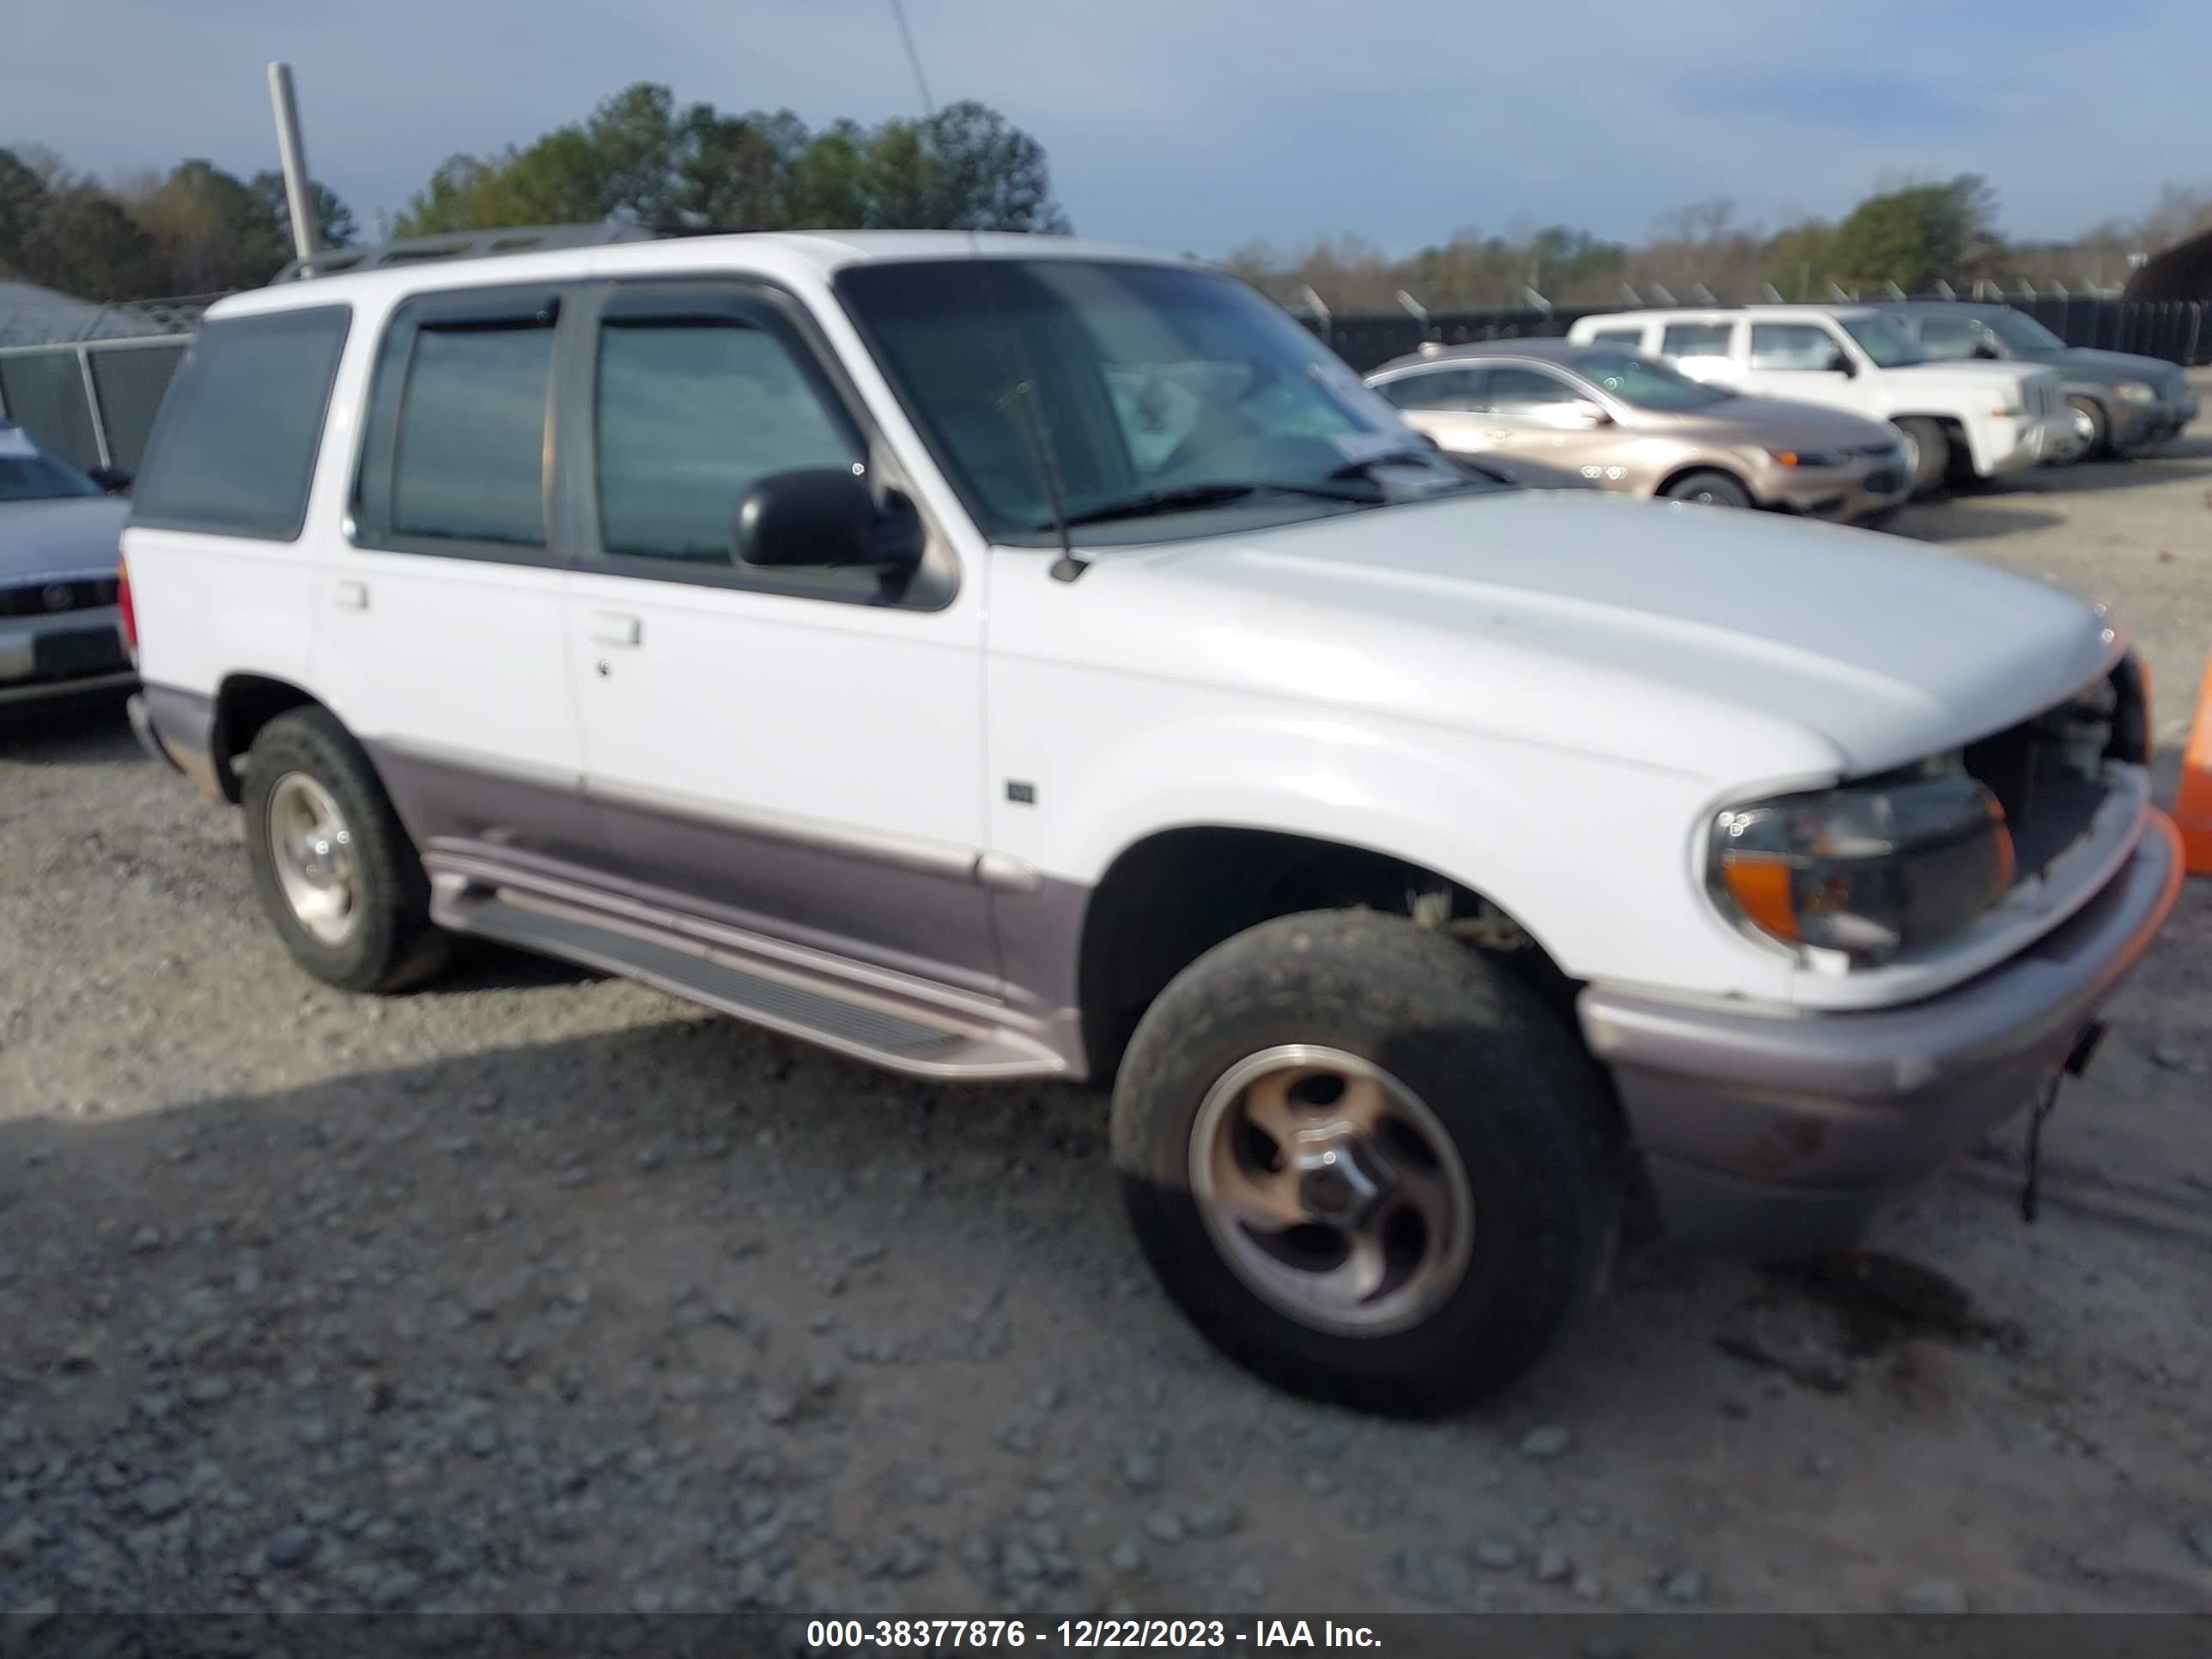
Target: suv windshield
[[1140, 390], [2023, 334], [27, 473], [1646, 382], [1882, 340]]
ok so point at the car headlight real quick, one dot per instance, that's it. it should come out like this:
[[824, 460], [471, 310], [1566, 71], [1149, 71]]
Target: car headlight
[[1808, 457], [1868, 870], [2134, 392]]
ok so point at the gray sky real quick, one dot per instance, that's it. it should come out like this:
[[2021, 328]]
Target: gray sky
[[1200, 123]]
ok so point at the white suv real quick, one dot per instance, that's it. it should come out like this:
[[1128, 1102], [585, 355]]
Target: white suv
[[1011, 658], [1959, 420]]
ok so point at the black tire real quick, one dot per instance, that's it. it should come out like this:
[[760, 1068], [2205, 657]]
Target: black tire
[[2099, 446], [1530, 1117], [1712, 488], [1931, 457], [391, 943]]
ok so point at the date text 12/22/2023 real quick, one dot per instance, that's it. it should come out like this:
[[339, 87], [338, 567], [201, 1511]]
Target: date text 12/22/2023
[[1084, 1635]]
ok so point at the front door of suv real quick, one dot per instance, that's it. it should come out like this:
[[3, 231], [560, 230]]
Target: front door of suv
[[438, 635], [794, 752]]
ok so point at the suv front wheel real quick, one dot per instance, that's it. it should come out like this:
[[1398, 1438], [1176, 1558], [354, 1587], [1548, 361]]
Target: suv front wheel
[[1365, 1163], [332, 865]]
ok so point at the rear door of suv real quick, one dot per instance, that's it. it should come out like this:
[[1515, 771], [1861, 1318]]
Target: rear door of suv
[[795, 752], [438, 626]]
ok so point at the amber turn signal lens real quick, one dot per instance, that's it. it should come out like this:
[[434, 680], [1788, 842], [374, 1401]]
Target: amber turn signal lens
[[1760, 884]]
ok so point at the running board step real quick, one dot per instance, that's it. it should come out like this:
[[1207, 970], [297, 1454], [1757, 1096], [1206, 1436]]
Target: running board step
[[910, 1039]]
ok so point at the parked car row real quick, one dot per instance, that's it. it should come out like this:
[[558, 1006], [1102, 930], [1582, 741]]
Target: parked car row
[[1012, 657], [1839, 412]]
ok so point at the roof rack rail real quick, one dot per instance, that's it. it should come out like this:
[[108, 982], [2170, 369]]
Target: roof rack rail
[[459, 245]]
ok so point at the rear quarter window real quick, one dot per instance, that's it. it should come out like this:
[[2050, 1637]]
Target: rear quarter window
[[233, 449]]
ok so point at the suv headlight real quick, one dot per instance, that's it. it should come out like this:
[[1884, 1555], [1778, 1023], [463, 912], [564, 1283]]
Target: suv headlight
[[1868, 870], [2134, 392], [1808, 457]]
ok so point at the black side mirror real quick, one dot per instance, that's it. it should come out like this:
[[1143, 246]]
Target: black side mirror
[[1840, 364], [110, 479], [826, 519], [1985, 349]]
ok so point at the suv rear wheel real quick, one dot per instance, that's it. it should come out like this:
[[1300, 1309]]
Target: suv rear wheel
[[1366, 1163], [332, 865]]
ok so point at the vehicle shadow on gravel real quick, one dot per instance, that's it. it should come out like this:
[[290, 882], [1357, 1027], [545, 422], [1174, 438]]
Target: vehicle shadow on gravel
[[687, 1311], [77, 732], [2159, 467], [1954, 520]]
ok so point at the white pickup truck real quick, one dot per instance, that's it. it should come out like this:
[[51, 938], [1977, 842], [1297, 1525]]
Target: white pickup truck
[[1016, 658], [1961, 420]]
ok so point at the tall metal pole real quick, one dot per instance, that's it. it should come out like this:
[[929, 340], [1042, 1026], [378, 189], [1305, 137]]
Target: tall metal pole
[[293, 153]]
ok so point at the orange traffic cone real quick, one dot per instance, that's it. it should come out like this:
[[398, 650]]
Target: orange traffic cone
[[2192, 802]]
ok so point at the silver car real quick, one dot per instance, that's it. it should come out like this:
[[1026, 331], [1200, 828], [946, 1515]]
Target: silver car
[[60, 625]]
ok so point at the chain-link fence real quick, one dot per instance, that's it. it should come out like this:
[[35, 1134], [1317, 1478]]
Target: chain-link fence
[[91, 403], [86, 379]]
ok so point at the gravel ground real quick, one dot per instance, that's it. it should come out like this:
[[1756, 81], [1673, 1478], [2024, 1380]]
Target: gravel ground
[[536, 1291]]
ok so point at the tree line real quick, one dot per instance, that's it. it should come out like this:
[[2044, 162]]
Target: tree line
[[637, 159], [1912, 234], [640, 158], [197, 229]]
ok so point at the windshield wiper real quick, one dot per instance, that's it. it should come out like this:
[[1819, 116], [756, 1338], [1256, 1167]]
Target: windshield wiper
[[1183, 498]]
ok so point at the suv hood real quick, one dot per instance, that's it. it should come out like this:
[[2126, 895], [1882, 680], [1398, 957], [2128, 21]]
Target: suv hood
[[1735, 646], [1969, 372], [74, 536]]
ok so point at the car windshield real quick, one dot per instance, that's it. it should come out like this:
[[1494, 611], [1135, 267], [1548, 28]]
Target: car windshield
[[1646, 382], [27, 473], [1881, 339], [2023, 334], [1136, 392]]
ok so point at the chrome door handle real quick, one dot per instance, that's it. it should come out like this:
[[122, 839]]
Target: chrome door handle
[[1500, 434], [611, 627], [349, 596]]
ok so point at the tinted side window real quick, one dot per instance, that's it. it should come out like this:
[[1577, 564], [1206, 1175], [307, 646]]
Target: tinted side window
[[1792, 345], [1696, 339], [1949, 337], [691, 415], [469, 462], [233, 451], [1515, 389], [1631, 337], [1435, 388]]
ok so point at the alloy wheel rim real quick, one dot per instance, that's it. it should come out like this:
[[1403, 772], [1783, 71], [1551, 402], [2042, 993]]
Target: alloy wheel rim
[[312, 849], [1332, 1190]]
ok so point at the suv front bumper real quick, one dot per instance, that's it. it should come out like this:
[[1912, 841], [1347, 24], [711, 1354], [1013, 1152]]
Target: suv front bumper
[[1787, 1134]]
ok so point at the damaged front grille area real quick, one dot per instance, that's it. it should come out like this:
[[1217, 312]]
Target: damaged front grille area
[[2048, 771]]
